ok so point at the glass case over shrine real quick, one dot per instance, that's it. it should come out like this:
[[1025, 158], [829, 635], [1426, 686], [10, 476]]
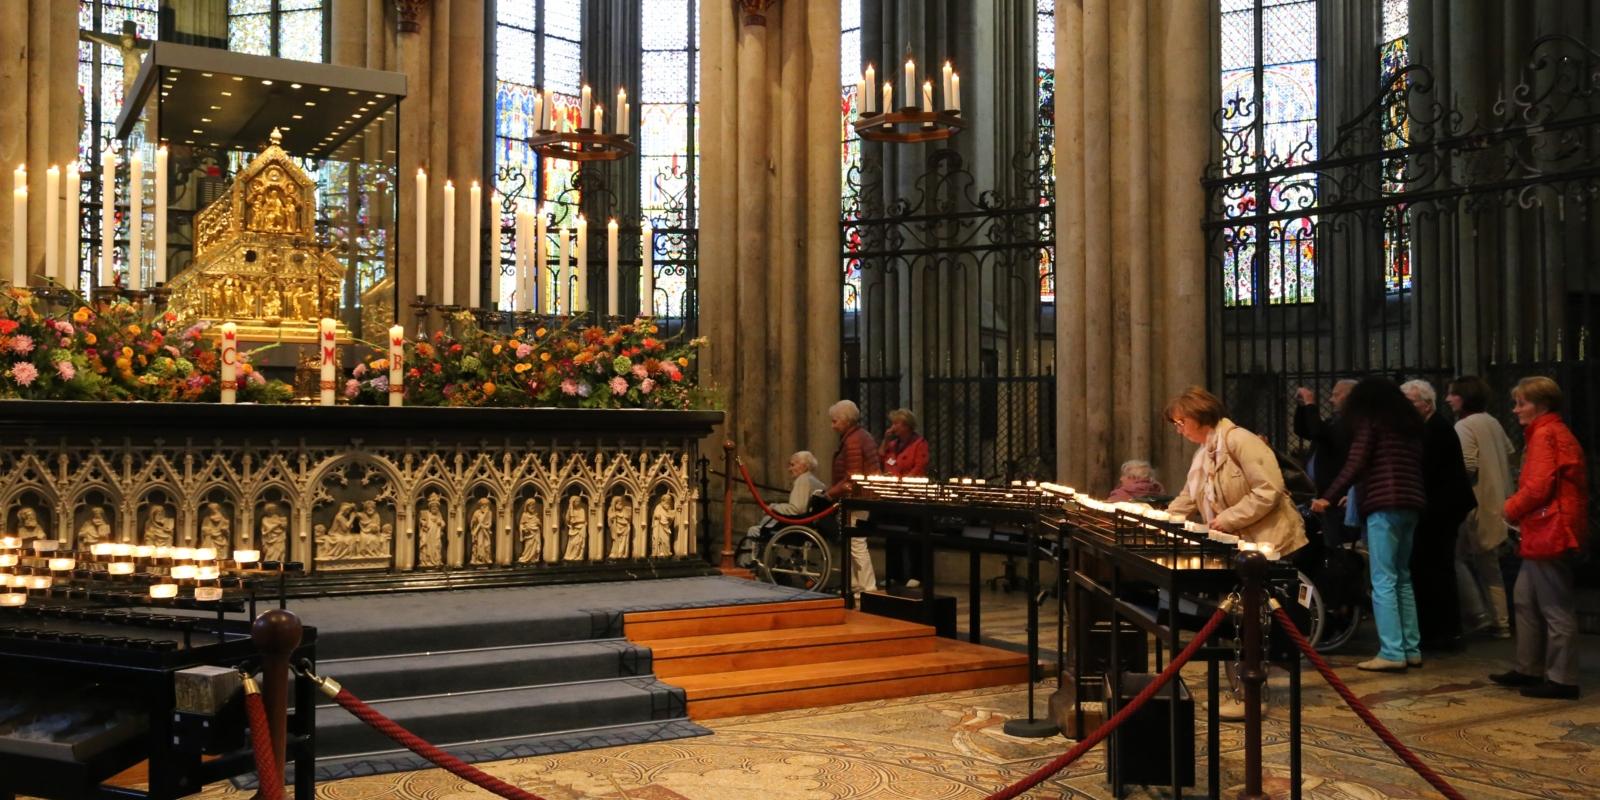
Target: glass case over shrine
[[266, 190]]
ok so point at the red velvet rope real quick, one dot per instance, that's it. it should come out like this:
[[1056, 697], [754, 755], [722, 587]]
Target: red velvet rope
[[1038, 776], [410, 741], [1362, 711], [268, 771], [748, 481]]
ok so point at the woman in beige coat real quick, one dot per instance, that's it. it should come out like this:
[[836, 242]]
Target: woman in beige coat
[[1234, 482]]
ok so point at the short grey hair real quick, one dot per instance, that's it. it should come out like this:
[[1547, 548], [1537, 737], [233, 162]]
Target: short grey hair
[[1138, 468], [845, 411], [1419, 389], [805, 458]]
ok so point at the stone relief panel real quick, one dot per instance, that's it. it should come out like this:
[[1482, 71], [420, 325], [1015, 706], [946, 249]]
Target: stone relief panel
[[353, 517]]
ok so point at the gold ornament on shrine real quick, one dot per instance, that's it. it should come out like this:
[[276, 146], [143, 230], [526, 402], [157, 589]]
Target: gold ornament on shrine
[[256, 258]]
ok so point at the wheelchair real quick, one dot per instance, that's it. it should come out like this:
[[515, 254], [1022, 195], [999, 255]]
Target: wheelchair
[[798, 556]]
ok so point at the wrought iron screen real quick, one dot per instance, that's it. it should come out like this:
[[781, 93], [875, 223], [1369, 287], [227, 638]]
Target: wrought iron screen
[[1425, 241], [943, 314]]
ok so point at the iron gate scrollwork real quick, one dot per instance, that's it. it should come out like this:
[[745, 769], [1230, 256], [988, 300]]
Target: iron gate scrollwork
[[944, 315], [1427, 241]]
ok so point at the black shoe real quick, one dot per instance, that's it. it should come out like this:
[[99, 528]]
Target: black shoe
[[1515, 679], [1552, 691]]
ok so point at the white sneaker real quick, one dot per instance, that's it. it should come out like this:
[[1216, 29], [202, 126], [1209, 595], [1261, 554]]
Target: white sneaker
[[913, 583], [1230, 709]]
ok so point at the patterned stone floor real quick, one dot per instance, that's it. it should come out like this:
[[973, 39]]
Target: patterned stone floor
[[1488, 741]]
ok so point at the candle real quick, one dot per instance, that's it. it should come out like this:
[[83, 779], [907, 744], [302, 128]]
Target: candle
[[13, 599], [208, 594], [163, 591], [538, 112], [181, 553], [954, 101], [519, 251], [136, 221], [397, 359], [599, 118], [242, 557], [474, 244], [19, 235], [888, 96], [120, 568], [108, 213], [100, 549], [861, 95], [70, 264], [52, 222], [869, 81], [143, 551], [622, 110], [62, 564], [41, 582], [526, 299], [561, 270], [580, 269], [161, 215], [539, 299], [549, 111], [422, 233], [945, 86], [208, 572], [927, 97], [911, 80], [613, 281], [230, 361], [647, 297], [448, 211], [585, 107], [330, 357], [122, 549]]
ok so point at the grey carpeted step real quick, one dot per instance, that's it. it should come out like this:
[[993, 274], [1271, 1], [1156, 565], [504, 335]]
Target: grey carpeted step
[[387, 677], [430, 632], [457, 718]]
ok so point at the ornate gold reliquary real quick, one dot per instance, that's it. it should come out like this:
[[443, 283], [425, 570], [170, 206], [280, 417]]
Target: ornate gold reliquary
[[256, 258]]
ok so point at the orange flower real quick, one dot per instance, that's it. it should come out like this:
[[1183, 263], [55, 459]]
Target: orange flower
[[497, 349], [683, 362], [539, 333], [133, 330], [90, 338], [524, 367], [81, 315], [127, 352], [245, 368], [488, 388], [544, 356]]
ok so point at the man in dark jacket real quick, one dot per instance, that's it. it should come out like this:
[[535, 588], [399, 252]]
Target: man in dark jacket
[[1330, 444], [1450, 498]]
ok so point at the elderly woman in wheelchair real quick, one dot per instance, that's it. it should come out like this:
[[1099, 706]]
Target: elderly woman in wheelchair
[[794, 555]]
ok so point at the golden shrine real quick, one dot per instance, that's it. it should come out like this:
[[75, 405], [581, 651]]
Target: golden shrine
[[256, 258]]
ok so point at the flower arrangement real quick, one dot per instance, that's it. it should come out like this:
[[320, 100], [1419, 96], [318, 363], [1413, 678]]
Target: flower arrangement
[[113, 355], [565, 367]]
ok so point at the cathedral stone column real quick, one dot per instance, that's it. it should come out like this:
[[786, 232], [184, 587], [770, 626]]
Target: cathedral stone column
[[1133, 110], [769, 232], [39, 81]]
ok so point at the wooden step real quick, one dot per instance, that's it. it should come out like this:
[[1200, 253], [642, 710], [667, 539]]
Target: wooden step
[[859, 636], [950, 666], [654, 625]]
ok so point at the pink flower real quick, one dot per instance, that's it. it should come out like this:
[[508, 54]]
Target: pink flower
[[524, 349], [647, 385], [24, 373], [257, 378], [62, 327], [671, 370], [65, 370], [618, 385], [352, 387], [359, 371], [22, 344], [569, 387], [640, 372]]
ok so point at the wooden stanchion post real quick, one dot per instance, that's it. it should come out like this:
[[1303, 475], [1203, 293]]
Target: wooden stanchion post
[[276, 634], [1252, 567]]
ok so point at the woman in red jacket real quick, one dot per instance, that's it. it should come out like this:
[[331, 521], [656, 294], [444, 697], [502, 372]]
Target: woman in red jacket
[[904, 454], [1551, 506]]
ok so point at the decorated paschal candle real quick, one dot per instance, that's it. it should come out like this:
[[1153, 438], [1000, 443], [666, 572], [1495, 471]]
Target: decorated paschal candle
[[330, 358]]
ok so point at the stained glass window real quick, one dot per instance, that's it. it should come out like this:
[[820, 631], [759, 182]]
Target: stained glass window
[[669, 133], [1280, 130], [105, 70], [283, 28], [850, 70], [1394, 55], [1044, 48]]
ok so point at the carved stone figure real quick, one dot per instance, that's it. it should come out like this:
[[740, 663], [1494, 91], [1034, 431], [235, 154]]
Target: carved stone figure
[[619, 516], [341, 541], [577, 527], [482, 528], [430, 533], [274, 532], [158, 528], [28, 526], [530, 532], [216, 530], [368, 520], [95, 529], [663, 525]]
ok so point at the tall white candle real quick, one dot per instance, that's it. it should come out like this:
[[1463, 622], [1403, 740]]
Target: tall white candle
[[888, 97], [871, 81], [647, 290], [523, 228], [944, 88], [613, 280], [474, 243], [330, 358], [585, 107], [52, 223], [108, 213], [161, 215], [539, 300], [911, 81], [449, 241], [397, 359], [861, 96], [622, 110], [526, 297], [927, 97], [538, 112], [422, 233], [954, 104], [136, 221], [19, 235], [549, 110], [70, 260], [558, 275], [599, 118], [230, 361], [580, 270]]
